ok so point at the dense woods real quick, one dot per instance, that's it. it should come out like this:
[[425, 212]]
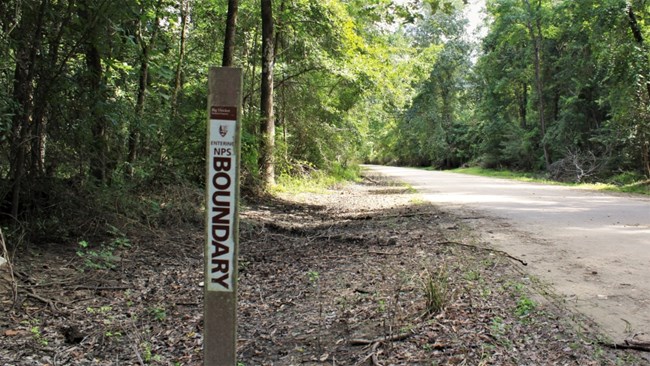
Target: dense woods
[[102, 98], [556, 86]]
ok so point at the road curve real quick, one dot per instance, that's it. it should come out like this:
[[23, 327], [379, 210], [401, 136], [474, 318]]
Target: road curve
[[593, 247]]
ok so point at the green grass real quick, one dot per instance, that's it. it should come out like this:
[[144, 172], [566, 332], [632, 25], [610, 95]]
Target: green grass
[[637, 187], [642, 187], [317, 181], [409, 188], [507, 174]]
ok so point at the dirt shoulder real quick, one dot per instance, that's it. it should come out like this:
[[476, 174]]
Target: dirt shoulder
[[368, 274], [592, 246]]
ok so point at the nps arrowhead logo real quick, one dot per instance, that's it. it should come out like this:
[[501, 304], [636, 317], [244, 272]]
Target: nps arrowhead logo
[[223, 130]]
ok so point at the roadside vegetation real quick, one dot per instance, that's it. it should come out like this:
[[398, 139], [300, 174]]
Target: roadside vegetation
[[313, 180], [106, 104], [623, 183]]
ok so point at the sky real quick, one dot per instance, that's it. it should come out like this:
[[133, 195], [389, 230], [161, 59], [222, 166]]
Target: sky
[[475, 13]]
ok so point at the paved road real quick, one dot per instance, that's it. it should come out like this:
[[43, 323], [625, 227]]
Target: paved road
[[593, 247]]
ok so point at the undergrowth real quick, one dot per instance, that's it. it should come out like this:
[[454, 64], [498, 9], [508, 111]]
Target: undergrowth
[[66, 213], [75, 215], [624, 182], [314, 180]]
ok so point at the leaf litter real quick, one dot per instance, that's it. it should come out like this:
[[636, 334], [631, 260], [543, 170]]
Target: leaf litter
[[367, 274]]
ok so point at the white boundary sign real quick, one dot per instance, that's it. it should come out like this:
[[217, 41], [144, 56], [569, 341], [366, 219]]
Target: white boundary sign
[[221, 207]]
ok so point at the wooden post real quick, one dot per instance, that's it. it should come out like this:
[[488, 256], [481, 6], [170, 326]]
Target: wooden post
[[222, 217]]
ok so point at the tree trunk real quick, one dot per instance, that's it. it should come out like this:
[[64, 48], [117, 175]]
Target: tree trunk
[[279, 88], [93, 59], [267, 127], [638, 37], [99, 151], [523, 106], [39, 128], [231, 25], [178, 81], [250, 95], [134, 134], [24, 78], [23, 95], [45, 77], [635, 27], [535, 31]]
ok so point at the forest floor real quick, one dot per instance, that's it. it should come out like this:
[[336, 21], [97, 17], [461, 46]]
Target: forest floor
[[367, 274]]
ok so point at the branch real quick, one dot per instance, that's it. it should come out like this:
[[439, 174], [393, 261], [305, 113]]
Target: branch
[[301, 72], [484, 248], [375, 345], [285, 79], [639, 342], [634, 25], [638, 36], [393, 338]]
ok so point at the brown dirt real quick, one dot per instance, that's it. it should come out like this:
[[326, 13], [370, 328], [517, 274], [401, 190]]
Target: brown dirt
[[325, 279]]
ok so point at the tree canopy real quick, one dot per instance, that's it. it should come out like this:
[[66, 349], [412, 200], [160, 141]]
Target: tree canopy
[[112, 93]]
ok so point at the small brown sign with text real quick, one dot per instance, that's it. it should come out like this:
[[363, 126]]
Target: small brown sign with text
[[223, 113]]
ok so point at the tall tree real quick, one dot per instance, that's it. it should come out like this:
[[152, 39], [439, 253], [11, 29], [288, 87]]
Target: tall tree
[[267, 128], [231, 26], [182, 45], [30, 33], [147, 45], [534, 25], [643, 129], [91, 15]]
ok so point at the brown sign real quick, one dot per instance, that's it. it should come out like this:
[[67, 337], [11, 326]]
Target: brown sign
[[223, 113]]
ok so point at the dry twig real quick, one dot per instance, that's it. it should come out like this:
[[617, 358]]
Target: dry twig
[[483, 248], [375, 343], [392, 338], [137, 353], [639, 342], [48, 302]]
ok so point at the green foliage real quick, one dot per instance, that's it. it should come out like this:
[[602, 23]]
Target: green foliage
[[305, 178], [629, 182], [583, 46], [313, 277], [103, 256], [497, 326], [509, 174], [640, 187], [525, 306], [158, 313], [38, 335], [626, 178], [436, 290], [376, 80], [434, 129], [101, 310], [147, 353]]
